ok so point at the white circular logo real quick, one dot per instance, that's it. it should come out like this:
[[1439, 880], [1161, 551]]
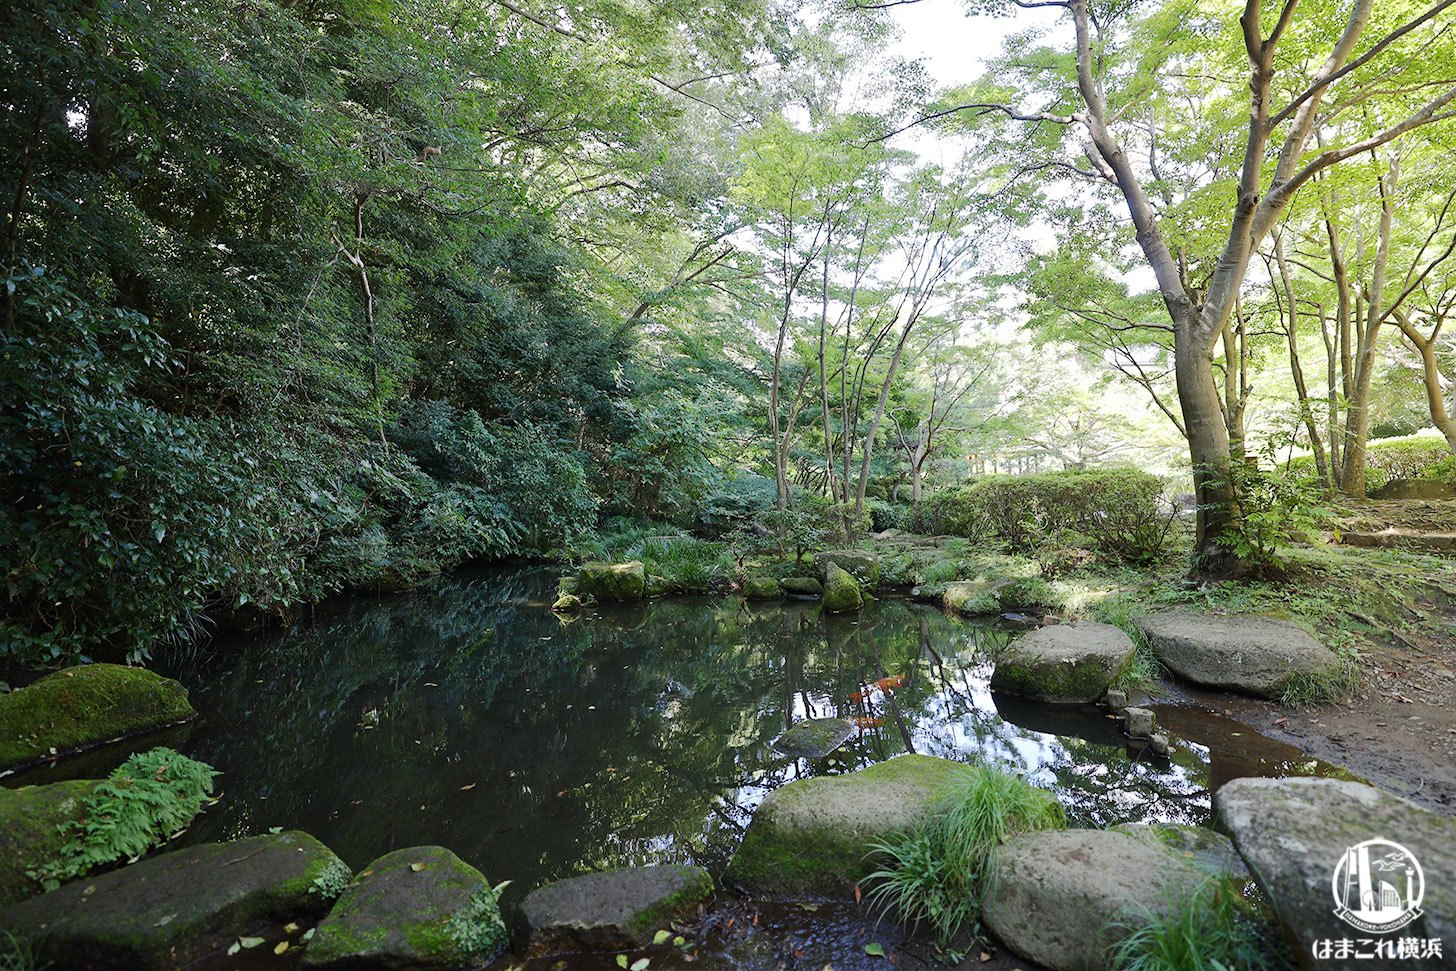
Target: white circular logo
[[1378, 886]]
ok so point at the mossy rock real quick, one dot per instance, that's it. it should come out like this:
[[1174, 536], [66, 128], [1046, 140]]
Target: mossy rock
[[421, 908], [860, 564], [170, 910], [85, 706], [611, 582], [1074, 663], [30, 818], [814, 738], [973, 596], [812, 839], [762, 588], [842, 594], [1211, 852], [567, 603], [658, 586], [802, 587], [613, 910]]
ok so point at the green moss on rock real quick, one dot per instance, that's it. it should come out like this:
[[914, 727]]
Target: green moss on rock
[[841, 591], [762, 588], [803, 586], [421, 908], [85, 706], [811, 839], [30, 821], [863, 565], [612, 581], [612, 910]]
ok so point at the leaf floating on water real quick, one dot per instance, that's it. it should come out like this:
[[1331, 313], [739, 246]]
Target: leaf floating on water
[[282, 946], [621, 960], [249, 941], [641, 964], [234, 949], [875, 949], [679, 941], [275, 830], [661, 936], [467, 788]]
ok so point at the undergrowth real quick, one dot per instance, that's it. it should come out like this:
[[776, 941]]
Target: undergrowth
[[939, 873], [145, 800], [1215, 929], [15, 953]]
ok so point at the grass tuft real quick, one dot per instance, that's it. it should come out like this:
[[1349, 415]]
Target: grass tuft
[[1216, 927]]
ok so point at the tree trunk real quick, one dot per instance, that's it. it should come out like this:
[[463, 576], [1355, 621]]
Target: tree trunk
[[1208, 442]]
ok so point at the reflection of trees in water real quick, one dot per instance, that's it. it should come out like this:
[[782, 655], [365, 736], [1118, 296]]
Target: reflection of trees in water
[[534, 747]]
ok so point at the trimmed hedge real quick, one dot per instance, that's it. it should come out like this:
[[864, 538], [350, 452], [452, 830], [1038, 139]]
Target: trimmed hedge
[[1409, 457], [1104, 503]]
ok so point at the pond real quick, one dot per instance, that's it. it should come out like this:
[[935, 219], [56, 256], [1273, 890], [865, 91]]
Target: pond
[[537, 746]]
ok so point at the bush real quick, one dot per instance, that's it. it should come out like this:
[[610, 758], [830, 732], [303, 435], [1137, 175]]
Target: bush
[[1122, 509], [1274, 511], [148, 798], [1215, 928], [1409, 457]]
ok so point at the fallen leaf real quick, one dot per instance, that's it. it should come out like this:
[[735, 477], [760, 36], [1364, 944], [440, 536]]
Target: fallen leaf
[[417, 867], [661, 936], [621, 960], [291, 927], [985, 956], [234, 949], [856, 893], [875, 949], [164, 921], [249, 941], [641, 964], [282, 946], [467, 788]]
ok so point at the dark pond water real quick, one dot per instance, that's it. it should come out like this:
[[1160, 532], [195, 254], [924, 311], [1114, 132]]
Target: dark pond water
[[537, 747]]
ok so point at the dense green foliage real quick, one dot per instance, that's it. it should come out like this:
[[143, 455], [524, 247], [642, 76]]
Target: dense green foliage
[[145, 800], [939, 874]]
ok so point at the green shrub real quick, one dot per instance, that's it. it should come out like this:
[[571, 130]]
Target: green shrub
[[147, 799], [1409, 457], [1215, 929], [939, 873], [1121, 509], [1274, 512]]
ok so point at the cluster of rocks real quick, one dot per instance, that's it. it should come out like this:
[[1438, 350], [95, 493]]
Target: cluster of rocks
[[1064, 898]]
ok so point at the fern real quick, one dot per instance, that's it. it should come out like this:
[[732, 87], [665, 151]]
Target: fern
[[149, 797]]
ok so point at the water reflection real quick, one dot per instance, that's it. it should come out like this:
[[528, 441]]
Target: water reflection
[[535, 747]]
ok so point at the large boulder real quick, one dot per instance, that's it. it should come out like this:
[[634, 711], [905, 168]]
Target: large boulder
[[842, 594], [973, 597], [1247, 653], [1295, 832], [811, 838], [863, 565], [1209, 851], [170, 910], [762, 588], [85, 706], [30, 820], [814, 738], [612, 581], [1057, 893], [610, 911], [420, 909], [1074, 662]]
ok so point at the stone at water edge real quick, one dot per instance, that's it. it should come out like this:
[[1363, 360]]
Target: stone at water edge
[[1057, 892], [1248, 653], [814, 738], [29, 817], [1138, 722], [762, 588], [803, 587], [810, 838], [860, 564], [841, 591], [85, 706], [612, 581], [170, 910], [1066, 663], [1294, 832], [567, 603], [421, 909], [610, 911], [973, 597], [1209, 851]]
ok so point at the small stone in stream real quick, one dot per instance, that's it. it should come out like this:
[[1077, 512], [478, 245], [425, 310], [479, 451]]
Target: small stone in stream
[[814, 738], [1116, 700], [1158, 742], [567, 603], [1139, 722], [416, 909], [610, 911]]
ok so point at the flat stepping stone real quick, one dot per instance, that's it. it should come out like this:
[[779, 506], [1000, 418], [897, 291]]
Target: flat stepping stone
[[811, 839], [762, 588], [1247, 653], [421, 908], [814, 738], [610, 582], [1064, 663], [803, 587], [170, 910], [1057, 892], [611, 911], [85, 706], [1211, 852], [1295, 832], [1404, 539]]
